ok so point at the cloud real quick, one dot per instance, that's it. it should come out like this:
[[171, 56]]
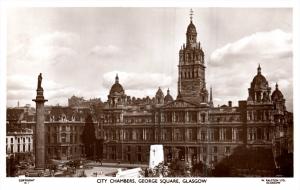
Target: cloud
[[262, 45], [44, 46], [139, 84], [232, 67], [108, 50], [26, 87]]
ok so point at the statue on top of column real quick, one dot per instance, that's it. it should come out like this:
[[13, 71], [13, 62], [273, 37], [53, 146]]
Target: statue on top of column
[[40, 78]]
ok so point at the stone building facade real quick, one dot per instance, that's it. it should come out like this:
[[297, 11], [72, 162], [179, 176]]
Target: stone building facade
[[19, 142], [64, 127], [190, 127]]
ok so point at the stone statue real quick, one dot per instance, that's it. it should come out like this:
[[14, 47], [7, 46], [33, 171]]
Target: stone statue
[[40, 78]]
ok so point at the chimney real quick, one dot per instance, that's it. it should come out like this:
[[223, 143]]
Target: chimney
[[230, 104]]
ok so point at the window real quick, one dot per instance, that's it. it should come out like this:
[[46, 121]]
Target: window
[[216, 134], [204, 159], [63, 137], [18, 148], [190, 135], [11, 140], [177, 135], [18, 140], [203, 136], [259, 134], [11, 148], [23, 147], [215, 149], [64, 151], [29, 148], [204, 150], [164, 136], [227, 149], [229, 134], [203, 118]]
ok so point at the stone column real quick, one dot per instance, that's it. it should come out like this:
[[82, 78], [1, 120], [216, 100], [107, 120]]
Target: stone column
[[39, 134]]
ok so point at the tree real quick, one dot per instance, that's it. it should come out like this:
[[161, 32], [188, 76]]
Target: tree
[[89, 137], [286, 164]]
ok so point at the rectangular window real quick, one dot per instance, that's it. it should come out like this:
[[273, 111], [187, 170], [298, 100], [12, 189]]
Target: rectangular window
[[11, 148], [64, 151], [202, 118], [203, 136], [63, 137], [229, 134], [227, 149], [23, 147], [190, 135], [215, 149], [29, 148], [216, 135], [204, 149]]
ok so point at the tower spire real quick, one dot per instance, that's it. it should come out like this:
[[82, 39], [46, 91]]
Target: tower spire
[[117, 79], [211, 98], [210, 94], [191, 14], [258, 69]]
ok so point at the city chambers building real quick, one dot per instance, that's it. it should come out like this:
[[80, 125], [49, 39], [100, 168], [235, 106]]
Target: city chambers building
[[189, 126]]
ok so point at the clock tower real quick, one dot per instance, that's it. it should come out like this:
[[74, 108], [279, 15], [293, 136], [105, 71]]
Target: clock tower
[[191, 69]]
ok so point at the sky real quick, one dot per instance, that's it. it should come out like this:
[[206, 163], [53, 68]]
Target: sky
[[80, 50]]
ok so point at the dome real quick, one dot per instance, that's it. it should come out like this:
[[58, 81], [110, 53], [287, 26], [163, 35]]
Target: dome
[[191, 28], [259, 81], [117, 87], [159, 93], [168, 97], [276, 95]]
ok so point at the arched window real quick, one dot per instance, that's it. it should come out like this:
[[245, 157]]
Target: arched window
[[63, 137], [203, 118]]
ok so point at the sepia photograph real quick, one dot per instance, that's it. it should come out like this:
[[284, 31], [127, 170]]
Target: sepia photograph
[[127, 94]]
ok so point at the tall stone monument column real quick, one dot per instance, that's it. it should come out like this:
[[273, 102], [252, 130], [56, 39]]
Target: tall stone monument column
[[39, 132]]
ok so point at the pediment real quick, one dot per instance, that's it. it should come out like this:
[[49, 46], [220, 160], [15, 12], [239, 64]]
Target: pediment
[[180, 104]]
